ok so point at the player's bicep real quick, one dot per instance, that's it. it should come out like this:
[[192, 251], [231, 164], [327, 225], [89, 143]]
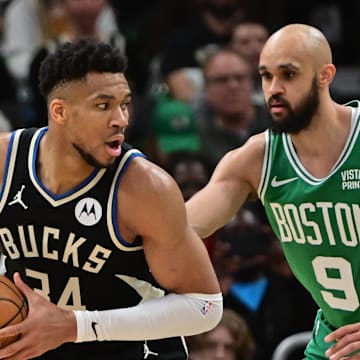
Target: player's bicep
[[214, 205], [176, 255]]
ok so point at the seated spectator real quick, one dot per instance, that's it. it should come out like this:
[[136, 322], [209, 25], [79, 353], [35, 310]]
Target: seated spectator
[[230, 340], [226, 114], [30, 23], [183, 51], [248, 38], [10, 113], [191, 171], [173, 129]]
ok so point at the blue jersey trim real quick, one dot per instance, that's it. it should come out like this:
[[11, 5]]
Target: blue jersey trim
[[114, 208], [47, 191]]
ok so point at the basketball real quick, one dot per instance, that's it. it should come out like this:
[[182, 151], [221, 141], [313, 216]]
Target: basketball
[[13, 307]]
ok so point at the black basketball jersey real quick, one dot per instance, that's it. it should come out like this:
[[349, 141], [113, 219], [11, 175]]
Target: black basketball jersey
[[69, 248]]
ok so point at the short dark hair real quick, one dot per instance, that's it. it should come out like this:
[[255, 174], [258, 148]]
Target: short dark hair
[[74, 60]]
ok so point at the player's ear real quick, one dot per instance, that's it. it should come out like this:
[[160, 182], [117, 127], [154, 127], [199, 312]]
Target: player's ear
[[57, 110], [326, 75]]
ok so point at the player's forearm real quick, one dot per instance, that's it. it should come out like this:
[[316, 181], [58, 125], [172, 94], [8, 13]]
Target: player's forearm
[[171, 315], [203, 219]]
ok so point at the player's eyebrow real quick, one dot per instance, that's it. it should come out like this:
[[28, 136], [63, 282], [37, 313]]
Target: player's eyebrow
[[102, 96], [286, 66]]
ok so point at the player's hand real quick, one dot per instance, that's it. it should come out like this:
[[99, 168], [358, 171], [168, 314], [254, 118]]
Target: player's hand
[[46, 327], [347, 340]]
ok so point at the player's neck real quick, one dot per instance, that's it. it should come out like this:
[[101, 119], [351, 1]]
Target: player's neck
[[330, 125], [319, 146], [58, 171]]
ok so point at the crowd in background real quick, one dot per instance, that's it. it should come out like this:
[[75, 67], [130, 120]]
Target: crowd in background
[[197, 94]]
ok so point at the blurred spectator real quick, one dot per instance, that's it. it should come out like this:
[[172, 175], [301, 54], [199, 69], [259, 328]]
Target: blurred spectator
[[10, 117], [28, 24], [81, 22], [146, 24], [230, 340], [257, 284], [184, 50], [173, 129], [248, 38], [10, 114], [226, 114], [191, 171]]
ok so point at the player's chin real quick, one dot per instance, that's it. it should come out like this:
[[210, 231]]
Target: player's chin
[[109, 162], [278, 114]]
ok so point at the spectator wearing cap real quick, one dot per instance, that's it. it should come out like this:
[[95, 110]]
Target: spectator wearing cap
[[173, 129]]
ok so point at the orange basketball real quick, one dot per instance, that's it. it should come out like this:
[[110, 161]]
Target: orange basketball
[[13, 307]]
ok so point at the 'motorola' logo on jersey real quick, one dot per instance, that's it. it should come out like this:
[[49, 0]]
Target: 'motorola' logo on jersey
[[88, 211]]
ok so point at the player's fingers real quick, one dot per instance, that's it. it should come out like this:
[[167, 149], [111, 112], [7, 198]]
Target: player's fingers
[[342, 331], [12, 348], [18, 355], [21, 285]]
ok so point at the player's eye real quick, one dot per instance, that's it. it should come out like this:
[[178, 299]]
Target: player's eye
[[265, 75], [289, 74], [125, 106], [103, 106]]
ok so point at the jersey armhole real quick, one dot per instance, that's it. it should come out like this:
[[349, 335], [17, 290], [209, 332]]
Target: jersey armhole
[[265, 173], [111, 211]]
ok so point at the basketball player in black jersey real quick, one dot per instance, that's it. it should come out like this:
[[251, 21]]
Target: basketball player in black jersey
[[94, 234]]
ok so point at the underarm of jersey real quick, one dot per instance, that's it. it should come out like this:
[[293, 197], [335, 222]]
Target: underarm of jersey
[[171, 315]]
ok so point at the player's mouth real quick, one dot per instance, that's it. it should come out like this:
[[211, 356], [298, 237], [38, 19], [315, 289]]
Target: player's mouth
[[276, 106], [113, 147]]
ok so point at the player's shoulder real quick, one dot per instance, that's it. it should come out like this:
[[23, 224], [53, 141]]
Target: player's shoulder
[[4, 144], [145, 177], [5, 139], [252, 152]]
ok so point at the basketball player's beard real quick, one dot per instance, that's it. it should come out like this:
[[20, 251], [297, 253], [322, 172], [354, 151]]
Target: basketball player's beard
[[90, 159], [298, 118]]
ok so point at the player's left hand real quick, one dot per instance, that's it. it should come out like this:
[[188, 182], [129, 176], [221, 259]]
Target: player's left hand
[[347, 340]]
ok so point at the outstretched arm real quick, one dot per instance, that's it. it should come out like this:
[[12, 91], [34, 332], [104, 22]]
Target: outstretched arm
[[233, 182]]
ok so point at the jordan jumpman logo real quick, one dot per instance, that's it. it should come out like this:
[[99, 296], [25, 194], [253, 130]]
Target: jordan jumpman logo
[[18, 198], [148, 352]]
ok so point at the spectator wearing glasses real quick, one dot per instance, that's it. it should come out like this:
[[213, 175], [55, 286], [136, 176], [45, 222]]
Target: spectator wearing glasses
[[248, 39], [226, 114]]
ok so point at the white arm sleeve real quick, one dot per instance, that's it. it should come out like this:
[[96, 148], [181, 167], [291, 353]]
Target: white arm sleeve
[[171, 315]]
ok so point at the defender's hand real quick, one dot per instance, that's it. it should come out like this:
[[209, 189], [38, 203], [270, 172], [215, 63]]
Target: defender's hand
[[347, 340]]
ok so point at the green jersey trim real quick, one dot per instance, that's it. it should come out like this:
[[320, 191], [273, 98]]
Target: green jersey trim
[[265, 173], [300, 169]]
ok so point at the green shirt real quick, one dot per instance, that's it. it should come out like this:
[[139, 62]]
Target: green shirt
[[318, 221]]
